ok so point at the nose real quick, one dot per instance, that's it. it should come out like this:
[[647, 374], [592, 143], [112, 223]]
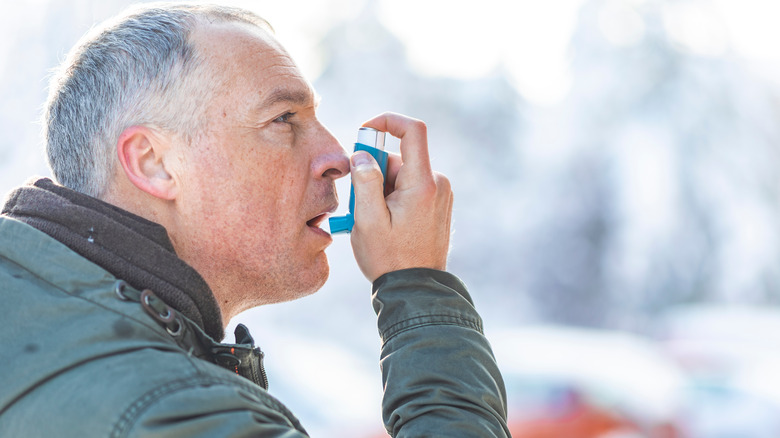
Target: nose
[[332, 160]]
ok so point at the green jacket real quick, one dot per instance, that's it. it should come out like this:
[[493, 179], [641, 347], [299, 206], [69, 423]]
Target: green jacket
[[85, 355]]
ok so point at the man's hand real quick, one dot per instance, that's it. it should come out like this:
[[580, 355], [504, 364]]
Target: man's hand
[[410, 227]]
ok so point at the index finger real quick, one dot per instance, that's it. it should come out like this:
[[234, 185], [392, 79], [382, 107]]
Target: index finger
[[414, 141]]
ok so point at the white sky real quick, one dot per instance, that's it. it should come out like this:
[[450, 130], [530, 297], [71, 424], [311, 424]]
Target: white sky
[[528, 38]]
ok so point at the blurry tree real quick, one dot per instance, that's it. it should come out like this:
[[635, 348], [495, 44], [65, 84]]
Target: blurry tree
[[668, 192]]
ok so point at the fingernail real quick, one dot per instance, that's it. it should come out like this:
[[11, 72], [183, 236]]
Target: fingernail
[[361, 160]]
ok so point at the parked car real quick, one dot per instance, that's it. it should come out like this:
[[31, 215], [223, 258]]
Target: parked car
[[573, 382]]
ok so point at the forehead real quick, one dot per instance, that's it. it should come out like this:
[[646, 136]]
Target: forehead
[[245, 59]]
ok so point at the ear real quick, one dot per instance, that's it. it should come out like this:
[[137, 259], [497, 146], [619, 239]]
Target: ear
[[143, 155]]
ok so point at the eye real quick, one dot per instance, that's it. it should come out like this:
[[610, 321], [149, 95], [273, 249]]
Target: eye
[[284, 118]]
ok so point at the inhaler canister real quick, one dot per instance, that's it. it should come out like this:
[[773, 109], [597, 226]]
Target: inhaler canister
[[371, 137]]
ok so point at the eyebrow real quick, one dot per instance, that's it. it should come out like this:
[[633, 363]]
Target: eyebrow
[[298, 97]]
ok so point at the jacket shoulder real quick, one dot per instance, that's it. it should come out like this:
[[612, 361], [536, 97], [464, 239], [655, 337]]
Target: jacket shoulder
[[148, 392], [77, 360]]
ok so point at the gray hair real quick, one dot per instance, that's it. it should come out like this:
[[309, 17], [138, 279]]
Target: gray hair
[[137, 69]]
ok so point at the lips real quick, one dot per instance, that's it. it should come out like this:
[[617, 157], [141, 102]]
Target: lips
[[321, 217], [316, 221]]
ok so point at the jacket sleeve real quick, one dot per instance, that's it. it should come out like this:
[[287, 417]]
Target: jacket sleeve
[[439, 374]]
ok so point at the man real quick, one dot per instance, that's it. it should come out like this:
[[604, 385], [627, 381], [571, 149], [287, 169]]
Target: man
[[193, 177]]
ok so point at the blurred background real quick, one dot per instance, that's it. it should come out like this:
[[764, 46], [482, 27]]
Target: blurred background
[[615, 165]]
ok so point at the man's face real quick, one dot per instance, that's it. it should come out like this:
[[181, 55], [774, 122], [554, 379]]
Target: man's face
[[257, 181]]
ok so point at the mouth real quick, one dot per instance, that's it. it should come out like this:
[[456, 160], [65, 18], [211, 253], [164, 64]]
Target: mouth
[[317, 221]]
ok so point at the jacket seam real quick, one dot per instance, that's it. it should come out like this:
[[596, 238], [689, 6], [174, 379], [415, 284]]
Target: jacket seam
[[429, 320], [74, 366], [131, 414], [126, 421]]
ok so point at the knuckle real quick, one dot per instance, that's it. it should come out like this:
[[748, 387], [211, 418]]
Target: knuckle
[[428, 188], [442, 182], [419, 125], [371, 176], [368, 180]]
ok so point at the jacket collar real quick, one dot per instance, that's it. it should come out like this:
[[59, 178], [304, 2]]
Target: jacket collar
[[128, 246], [242, 357]]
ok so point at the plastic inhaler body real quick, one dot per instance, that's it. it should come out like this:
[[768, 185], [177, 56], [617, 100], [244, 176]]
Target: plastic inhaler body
[[373, 142]]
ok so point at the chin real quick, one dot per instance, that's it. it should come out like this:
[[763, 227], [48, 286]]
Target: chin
[[316, 280], [307, 281]]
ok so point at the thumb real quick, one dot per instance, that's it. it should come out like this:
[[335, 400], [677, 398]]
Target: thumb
[[368, 183]]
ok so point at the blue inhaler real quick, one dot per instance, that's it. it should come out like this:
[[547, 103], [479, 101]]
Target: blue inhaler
[[373, 142]]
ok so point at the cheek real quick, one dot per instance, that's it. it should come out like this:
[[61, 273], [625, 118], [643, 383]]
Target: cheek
[[263, 192], [283, 186]]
